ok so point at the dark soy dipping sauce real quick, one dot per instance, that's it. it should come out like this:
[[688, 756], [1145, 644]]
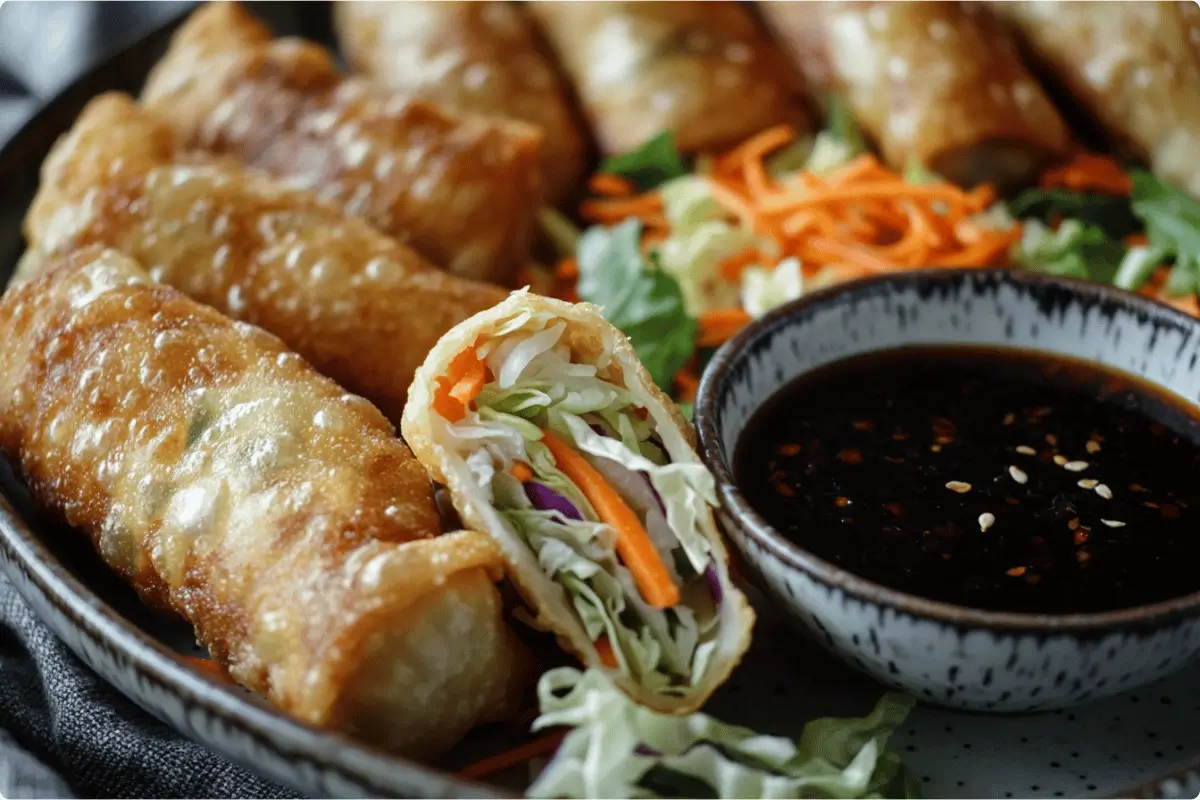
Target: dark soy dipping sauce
[[853, 462]]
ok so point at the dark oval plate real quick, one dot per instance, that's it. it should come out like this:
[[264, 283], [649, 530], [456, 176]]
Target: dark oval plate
[[1102, 749]]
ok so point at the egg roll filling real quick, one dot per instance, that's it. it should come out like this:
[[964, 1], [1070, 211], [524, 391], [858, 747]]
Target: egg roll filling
[[575, 466]]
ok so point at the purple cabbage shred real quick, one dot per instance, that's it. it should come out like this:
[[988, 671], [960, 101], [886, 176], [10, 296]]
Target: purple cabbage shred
[[546, 499], [714, 583]]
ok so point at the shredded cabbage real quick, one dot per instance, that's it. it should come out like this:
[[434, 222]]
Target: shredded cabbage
[[764, 289], [620, 749], [701, 238], [538, 387]]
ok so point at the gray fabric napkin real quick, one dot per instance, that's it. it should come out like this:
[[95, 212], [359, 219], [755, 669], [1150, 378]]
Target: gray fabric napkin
[[64, 732]]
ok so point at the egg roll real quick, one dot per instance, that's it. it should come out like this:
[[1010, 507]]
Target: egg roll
[[551, 437], [1132, 67], [463, 190], [938, 84], [482, 58], [705, 71], [224, 479], [361, 307]]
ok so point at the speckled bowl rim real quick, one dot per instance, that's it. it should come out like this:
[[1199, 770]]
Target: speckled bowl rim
[[795, 557]]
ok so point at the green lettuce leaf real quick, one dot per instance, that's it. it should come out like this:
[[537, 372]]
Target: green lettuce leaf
[[1172, 216], [620, 749], [655, 161], [1075, 250], [643, 301], [840, 124], [917, 173], [1112, 215]]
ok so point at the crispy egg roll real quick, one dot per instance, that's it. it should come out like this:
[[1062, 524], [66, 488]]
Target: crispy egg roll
[[462, 190], [481, 58], [938, 83], [361, 307], [1133, 68], [584, 473], [704, 70], [223, 478]]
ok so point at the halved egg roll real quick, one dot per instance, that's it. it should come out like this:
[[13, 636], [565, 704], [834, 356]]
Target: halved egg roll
[[551, 436], [481, 58], [224, 479], [362, 308], [462, 190], [1133, 67], [705, 71], [936, 83]]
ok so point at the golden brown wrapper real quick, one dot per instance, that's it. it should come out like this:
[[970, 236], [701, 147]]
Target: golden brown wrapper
[[361, 307], [461, 190], [705, 71], [1133, 67], [225, 479], [482, 58], [592, 339], [938, 83]]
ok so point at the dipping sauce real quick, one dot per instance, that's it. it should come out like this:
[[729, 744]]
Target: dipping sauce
[[1000, 479]]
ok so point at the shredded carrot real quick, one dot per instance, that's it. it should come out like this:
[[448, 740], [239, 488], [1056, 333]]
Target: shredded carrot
[[608, 185], [619, 208], [719, 325], [208, 667], [521, 471], [1089, 172], [567, 269], [757, 146], [512, 758], [857, 220], [1135, 240], [731, 268], [459, 386], [633, 543], [604, 649], [686, 384]]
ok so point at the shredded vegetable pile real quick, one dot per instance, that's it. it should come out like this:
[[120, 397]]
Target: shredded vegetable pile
[[683, 259], [616, 748]]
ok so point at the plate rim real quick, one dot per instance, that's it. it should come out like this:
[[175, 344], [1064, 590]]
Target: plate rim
[[32, 568]]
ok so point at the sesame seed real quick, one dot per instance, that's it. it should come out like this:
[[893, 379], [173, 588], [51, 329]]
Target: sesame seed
[[1088, 483], [1018, 474], [1026, 450], [1061, 460], [1075, 466], [935, 448], [1104, 491], [986, 521], [1113, 523], [958, 486], [1015, 572], [1092, 446]]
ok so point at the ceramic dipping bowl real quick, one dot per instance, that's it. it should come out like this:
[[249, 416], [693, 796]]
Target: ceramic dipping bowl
[[952, 655]]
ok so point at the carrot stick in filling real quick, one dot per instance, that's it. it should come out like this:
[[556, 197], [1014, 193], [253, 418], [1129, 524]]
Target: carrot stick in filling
[[633, 543]]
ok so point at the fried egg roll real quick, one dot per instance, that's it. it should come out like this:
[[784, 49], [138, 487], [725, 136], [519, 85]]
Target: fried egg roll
[[362, 308], [551, 436], [461, 190], [1132, 67], [935, 83], [223, 478], [482, 58], [703, 70]]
